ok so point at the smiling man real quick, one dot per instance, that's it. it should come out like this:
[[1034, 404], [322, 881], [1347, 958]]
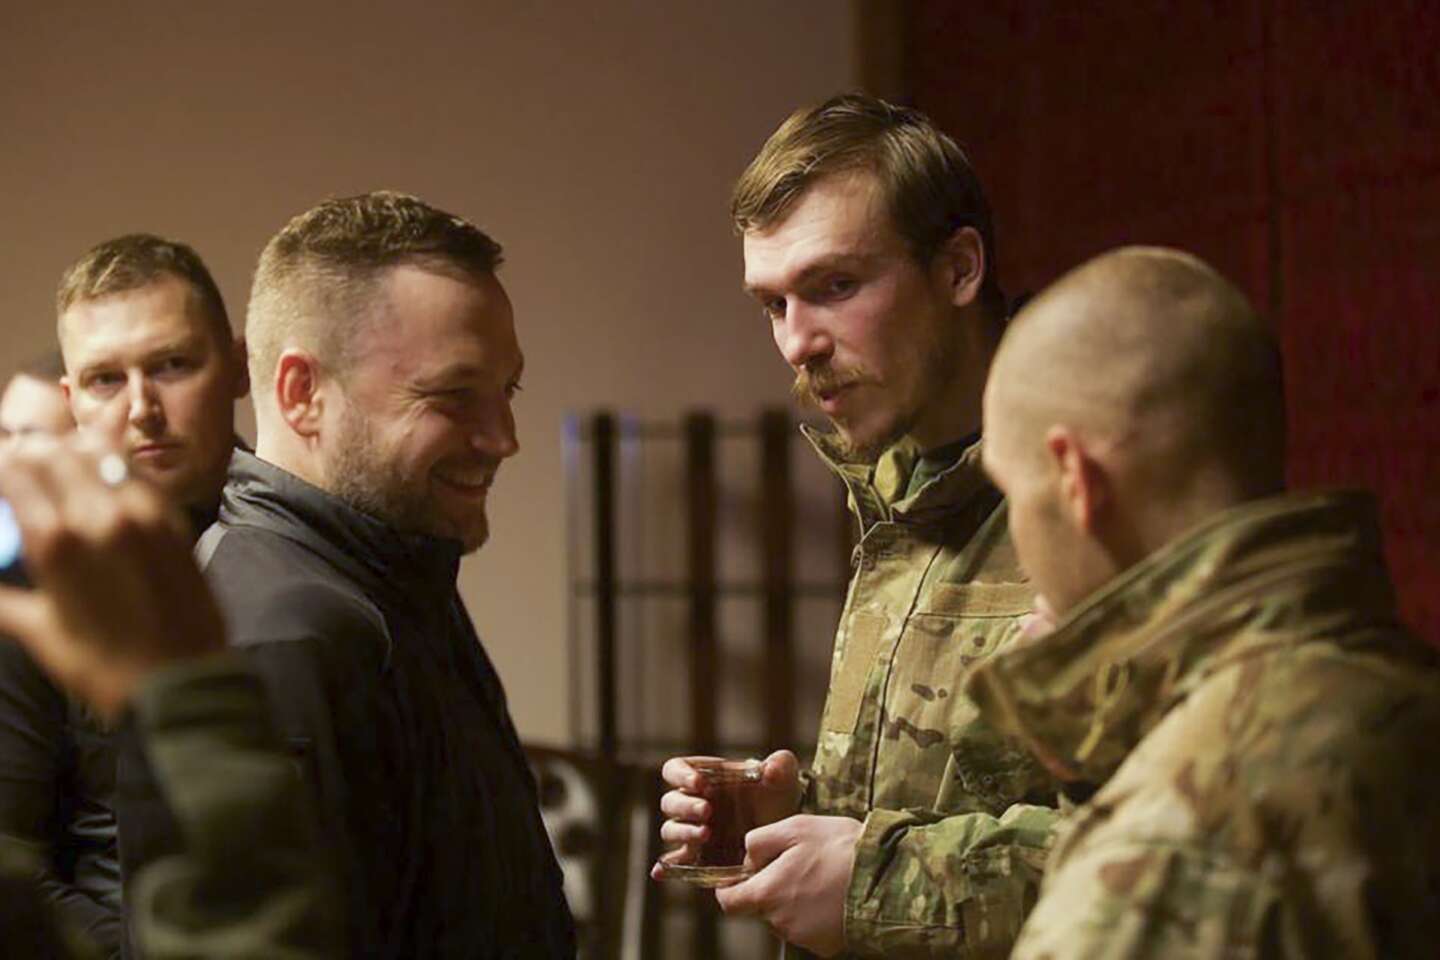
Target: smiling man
[[917, 832], [385, 359]]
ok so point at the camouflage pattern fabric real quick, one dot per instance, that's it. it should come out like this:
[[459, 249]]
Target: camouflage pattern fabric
[[1259, 726], [945, 866]]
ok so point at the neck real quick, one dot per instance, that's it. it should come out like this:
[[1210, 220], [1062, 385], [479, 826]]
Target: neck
[[954, 413], [280, 448]]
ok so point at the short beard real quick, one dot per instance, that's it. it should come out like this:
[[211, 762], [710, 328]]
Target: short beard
[[938, 360], [366, 477]]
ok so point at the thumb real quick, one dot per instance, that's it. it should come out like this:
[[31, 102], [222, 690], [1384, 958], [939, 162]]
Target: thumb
[[781, 769], [764, 844], [25, 620], [22, 614]]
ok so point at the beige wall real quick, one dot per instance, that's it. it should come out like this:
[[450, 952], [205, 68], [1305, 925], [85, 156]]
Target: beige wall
[[597, 141]]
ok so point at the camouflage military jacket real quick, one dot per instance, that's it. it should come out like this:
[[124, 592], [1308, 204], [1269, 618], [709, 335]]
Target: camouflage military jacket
[[946, 863], [1259, 728]]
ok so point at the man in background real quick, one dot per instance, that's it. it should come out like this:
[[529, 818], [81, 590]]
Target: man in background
[[383, 349], [33, 402], [142, 325], [151, 362], [1228, 676], [918, 832]]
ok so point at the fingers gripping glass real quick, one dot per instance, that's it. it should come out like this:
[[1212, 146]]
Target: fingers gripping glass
[[732, 791]]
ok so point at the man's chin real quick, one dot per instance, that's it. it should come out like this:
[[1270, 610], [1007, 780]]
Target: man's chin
[[178, 487], [866, 446]]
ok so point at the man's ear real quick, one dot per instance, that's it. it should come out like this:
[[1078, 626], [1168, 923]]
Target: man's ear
[[64, 382], [1084, 487], [298, 394], [240, 357], [962, 260]]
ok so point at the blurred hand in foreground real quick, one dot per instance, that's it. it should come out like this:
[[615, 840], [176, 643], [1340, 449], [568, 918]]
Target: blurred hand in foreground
[[117, 593]]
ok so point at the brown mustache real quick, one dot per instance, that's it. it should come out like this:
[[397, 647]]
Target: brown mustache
[[811, 383]]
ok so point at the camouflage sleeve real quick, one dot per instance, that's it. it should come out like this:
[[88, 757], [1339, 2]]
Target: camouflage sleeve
[[1144, 899], [958, 886], [251, 880]]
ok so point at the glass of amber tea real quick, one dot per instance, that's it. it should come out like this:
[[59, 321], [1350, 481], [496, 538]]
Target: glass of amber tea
[[732, 790]]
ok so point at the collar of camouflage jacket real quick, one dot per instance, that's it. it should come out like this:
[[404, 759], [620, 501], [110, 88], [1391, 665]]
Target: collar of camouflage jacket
[[1277, 572], [877, 491]]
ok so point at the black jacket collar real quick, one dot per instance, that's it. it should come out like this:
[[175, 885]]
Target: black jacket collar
[[260, 494]]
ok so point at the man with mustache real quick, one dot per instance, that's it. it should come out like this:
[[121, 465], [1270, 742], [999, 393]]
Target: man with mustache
[[149, 361], [1228, 679], [917, 832], [384, 352]]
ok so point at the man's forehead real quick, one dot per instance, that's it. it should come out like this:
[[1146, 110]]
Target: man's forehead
[[23, 386], [839, 217], [434, 321], [165, 312]]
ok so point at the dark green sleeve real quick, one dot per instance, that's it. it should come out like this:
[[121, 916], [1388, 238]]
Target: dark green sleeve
[[251, 879]]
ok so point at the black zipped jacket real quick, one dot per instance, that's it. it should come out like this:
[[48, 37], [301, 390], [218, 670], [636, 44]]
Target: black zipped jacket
[[396, 716]]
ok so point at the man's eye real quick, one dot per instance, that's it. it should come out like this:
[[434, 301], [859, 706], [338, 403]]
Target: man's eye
[[840, 286], [105, 382], [175, 365], [512, 389], [774, 308], [453, 398]]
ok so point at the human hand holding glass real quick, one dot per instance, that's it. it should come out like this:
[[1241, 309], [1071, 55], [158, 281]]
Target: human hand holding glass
[[713, 804]]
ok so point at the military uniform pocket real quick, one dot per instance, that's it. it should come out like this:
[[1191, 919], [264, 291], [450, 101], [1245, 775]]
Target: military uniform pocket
[[981, 599], [847, 685]]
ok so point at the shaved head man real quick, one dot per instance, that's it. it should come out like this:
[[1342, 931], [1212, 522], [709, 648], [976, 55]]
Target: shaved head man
[[1140, 394], [1226, 679]]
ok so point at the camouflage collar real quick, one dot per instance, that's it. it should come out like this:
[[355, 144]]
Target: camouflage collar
[[877, 491], [1265, 574]]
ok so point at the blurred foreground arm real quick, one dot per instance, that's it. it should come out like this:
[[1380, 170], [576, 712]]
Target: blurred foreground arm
[[121, 617]]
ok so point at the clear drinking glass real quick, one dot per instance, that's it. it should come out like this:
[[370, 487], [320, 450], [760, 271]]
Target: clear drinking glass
[[732, 788]]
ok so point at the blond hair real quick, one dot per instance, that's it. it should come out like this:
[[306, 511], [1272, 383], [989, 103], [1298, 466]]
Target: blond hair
[[134, 261]]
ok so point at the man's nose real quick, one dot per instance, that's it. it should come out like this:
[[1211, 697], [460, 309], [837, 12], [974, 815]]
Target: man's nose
[[144, 409], [803, 337], [494, 434]]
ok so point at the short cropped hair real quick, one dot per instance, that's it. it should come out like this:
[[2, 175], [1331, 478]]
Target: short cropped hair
[[316, 275], [137, 260], [926, 180]]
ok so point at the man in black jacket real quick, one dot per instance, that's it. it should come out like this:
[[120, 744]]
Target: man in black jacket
[[151, 363], [385, 354]]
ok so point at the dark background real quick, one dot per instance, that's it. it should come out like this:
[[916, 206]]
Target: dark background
[[1294, 144]]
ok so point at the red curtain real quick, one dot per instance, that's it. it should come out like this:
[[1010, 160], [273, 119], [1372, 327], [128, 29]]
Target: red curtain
[[1294, 144]]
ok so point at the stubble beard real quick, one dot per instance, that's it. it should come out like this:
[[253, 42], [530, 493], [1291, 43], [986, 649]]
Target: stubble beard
[[367, 477], [937, 360]]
